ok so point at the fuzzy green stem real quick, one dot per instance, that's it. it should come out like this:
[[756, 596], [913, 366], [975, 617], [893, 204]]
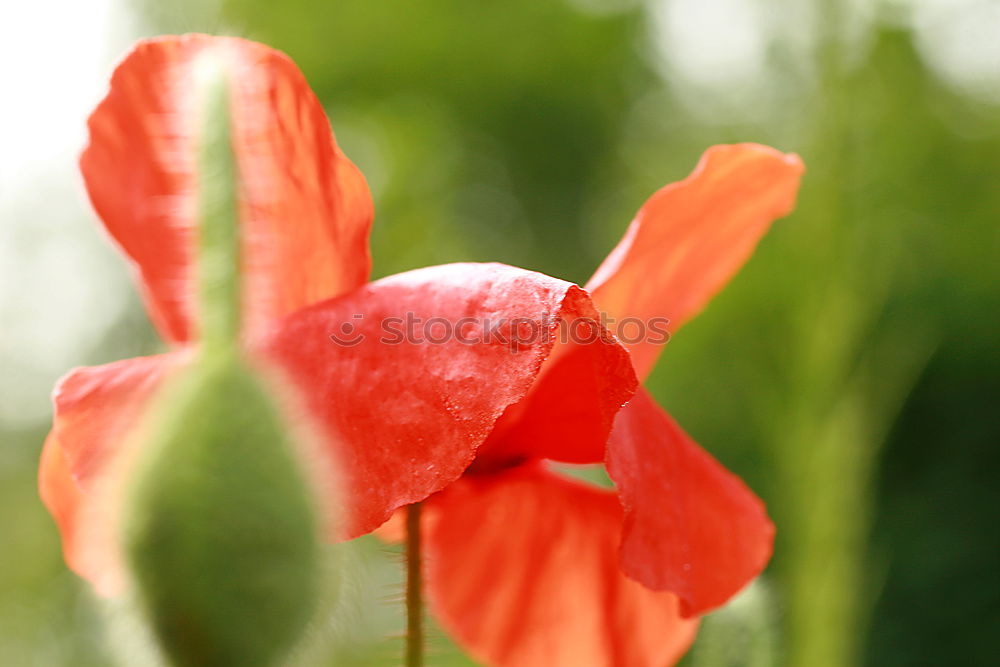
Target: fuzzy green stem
[[414, 589], [217, 224]]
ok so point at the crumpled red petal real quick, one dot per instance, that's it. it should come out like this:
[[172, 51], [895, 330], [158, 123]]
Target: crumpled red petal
[[406, 418], [691, 526], [570, 409], [689, 239], [305, 209], [95, 410], [522, 570]]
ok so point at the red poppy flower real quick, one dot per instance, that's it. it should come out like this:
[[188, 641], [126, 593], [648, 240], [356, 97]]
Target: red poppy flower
[[525, 567], [529, 568], [401, 421]]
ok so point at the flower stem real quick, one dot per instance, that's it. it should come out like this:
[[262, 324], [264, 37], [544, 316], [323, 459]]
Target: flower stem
[[414, 589], [218, 240]]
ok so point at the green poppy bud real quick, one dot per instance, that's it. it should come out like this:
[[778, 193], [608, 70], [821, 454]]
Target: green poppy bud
[[221, 534], [220, 530]]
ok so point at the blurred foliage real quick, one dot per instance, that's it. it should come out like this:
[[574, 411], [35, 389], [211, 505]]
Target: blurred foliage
[[850, 373]]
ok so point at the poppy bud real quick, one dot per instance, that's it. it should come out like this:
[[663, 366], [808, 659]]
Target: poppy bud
[[221, 535], [221, 532]]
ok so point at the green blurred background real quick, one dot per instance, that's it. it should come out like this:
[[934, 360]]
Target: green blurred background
[[851, 373]]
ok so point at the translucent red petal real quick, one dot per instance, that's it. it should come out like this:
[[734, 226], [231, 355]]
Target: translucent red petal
[[522, 571], [305, 210], [689, 239], [691, 526], [95, 411]]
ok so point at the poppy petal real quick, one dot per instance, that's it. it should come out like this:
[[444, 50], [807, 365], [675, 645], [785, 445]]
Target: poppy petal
[[689, 239], [64, 500], [691, 526], [570, 409], [409, 374], [305, 210], [522, 570], [95, 410]]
